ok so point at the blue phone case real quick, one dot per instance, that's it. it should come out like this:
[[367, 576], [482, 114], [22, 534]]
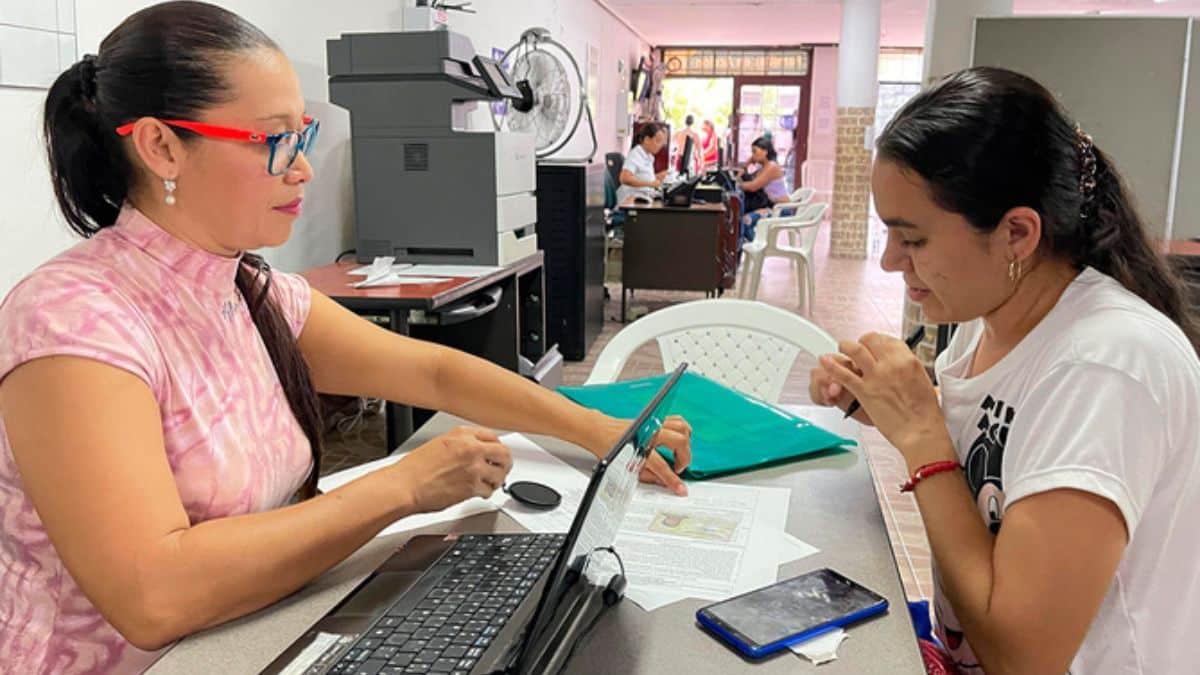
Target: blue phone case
[[758, 652]]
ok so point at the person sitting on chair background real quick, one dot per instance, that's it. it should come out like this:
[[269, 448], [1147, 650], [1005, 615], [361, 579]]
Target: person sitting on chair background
[[763, 187], [638, 178]]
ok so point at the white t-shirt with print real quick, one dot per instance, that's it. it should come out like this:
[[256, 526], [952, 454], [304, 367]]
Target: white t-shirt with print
[[641, 164], [1102, 396]]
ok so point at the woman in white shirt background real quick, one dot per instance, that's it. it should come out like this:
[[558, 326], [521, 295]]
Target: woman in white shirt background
[[638, 178], [1058, 476]]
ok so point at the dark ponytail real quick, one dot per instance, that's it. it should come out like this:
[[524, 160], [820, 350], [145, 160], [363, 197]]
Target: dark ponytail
[[987, 140], [165, 61]]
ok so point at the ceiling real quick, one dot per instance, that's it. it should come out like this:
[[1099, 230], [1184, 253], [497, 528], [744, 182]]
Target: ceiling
[[789, 22]]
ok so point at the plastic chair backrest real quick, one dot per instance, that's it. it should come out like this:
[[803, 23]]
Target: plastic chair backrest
[[801, 195], [811, 213], [747, 345]]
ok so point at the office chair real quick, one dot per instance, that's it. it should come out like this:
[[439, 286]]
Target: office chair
[[614, 161], [614, 218]]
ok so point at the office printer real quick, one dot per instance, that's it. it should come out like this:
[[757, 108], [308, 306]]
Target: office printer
[[426, 189]]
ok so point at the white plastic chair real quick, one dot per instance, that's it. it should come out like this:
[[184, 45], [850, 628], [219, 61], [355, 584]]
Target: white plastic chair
[[746, 345], [802, 195], [795, 200], [802, 237]]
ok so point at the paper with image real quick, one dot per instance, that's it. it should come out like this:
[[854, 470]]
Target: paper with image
[[719, 541], [700, 546]]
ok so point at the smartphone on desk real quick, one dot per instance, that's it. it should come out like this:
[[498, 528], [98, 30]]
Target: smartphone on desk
[[771, 619]]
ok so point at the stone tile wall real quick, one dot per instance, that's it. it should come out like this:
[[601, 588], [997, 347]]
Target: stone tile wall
[[851, 183]]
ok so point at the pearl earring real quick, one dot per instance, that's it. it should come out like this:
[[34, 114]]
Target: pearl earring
[[169, 184]]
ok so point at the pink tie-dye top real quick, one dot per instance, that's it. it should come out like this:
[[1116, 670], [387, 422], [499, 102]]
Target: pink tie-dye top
[[138, 299]]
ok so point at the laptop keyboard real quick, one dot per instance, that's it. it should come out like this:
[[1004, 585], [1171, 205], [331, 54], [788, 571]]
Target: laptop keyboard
[[485, 578]]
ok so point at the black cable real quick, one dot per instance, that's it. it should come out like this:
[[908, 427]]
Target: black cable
[[583, 635], [344, 253]]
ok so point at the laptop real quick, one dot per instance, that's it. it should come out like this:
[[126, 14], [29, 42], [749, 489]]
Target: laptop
[[484, 603]]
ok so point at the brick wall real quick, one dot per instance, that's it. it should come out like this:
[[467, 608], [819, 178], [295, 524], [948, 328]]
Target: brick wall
[[851, 184]]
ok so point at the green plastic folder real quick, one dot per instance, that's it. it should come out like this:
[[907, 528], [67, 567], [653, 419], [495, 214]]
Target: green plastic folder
[[731, 431]]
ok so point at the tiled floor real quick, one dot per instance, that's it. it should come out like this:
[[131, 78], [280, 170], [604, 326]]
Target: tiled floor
[[852, 297]]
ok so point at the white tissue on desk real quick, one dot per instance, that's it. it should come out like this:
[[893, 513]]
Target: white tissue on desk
[[823, 648]]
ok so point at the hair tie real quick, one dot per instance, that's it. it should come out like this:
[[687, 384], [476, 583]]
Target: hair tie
[[87, 76], [1087, 171]]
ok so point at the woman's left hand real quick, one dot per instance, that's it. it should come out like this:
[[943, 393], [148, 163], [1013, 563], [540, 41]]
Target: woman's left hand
[[675, 435], [893, 388]]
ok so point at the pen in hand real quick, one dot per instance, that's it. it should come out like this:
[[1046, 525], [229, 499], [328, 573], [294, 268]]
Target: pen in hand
[[912, 342]]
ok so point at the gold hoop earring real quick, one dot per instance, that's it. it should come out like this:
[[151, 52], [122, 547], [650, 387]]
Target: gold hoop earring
[[1014, 270]]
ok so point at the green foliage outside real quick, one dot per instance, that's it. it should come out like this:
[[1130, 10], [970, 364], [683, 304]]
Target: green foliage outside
[[703, 98]]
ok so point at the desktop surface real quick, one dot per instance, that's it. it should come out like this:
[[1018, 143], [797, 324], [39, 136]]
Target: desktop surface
[[833, 507], [657, 204]]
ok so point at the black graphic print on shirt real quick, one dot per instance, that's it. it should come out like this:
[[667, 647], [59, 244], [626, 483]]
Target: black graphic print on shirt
[[983, 467], [984, 459]]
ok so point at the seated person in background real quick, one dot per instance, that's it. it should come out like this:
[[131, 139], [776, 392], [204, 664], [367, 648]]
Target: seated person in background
[[1061, 450], [160, 440], [762, 186], [637, 174]]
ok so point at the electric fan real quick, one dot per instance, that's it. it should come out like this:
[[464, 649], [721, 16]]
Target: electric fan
[[540, 66]]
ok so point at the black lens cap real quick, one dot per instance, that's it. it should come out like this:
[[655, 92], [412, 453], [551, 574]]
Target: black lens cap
[[534, 494]]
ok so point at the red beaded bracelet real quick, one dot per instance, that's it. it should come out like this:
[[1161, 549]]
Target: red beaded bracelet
[[926, 471]]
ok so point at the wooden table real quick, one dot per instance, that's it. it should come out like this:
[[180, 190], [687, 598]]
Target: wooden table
[[673, 248], [499, 316]]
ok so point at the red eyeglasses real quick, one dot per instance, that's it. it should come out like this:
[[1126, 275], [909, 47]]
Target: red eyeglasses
[[284, 146]]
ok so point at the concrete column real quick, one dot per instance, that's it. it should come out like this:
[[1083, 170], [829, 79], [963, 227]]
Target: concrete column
[[950, 30], [858, 86], [949, 33]]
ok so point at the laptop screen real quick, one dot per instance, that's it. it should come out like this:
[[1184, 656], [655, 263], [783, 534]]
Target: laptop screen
[[604, 504]]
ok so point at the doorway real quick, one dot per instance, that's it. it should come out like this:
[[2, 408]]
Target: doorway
[[778, 105], [706, 99]]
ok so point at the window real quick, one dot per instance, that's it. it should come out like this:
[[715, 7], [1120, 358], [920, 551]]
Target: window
[[687, 62]]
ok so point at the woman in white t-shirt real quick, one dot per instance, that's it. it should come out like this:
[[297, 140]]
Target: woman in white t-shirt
[[638, 178], [1058, 474]]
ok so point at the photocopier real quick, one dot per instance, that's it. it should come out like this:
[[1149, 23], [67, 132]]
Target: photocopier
[[426, 188]]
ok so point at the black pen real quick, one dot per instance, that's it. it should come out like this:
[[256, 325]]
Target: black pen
[[912, 342]]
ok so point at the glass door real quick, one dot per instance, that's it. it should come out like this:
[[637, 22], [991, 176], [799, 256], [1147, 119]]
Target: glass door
[[772, 105]]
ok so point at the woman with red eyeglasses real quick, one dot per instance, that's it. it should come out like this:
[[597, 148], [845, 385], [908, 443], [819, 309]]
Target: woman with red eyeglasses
[[158, 383]]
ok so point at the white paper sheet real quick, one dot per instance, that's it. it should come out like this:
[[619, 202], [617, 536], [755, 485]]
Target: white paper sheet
[[719, 541], [696, 546], [431, 270], [699, 546], [829, 419], [530, 462], [395, 280], [380, 265], [451, 270]]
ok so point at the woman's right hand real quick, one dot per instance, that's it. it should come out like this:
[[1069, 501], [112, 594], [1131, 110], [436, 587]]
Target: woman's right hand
[[463, 463], [824, 391]]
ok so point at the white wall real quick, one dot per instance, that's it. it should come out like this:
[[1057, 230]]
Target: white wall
[[31, 230], [301, 28], [822, 117]]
